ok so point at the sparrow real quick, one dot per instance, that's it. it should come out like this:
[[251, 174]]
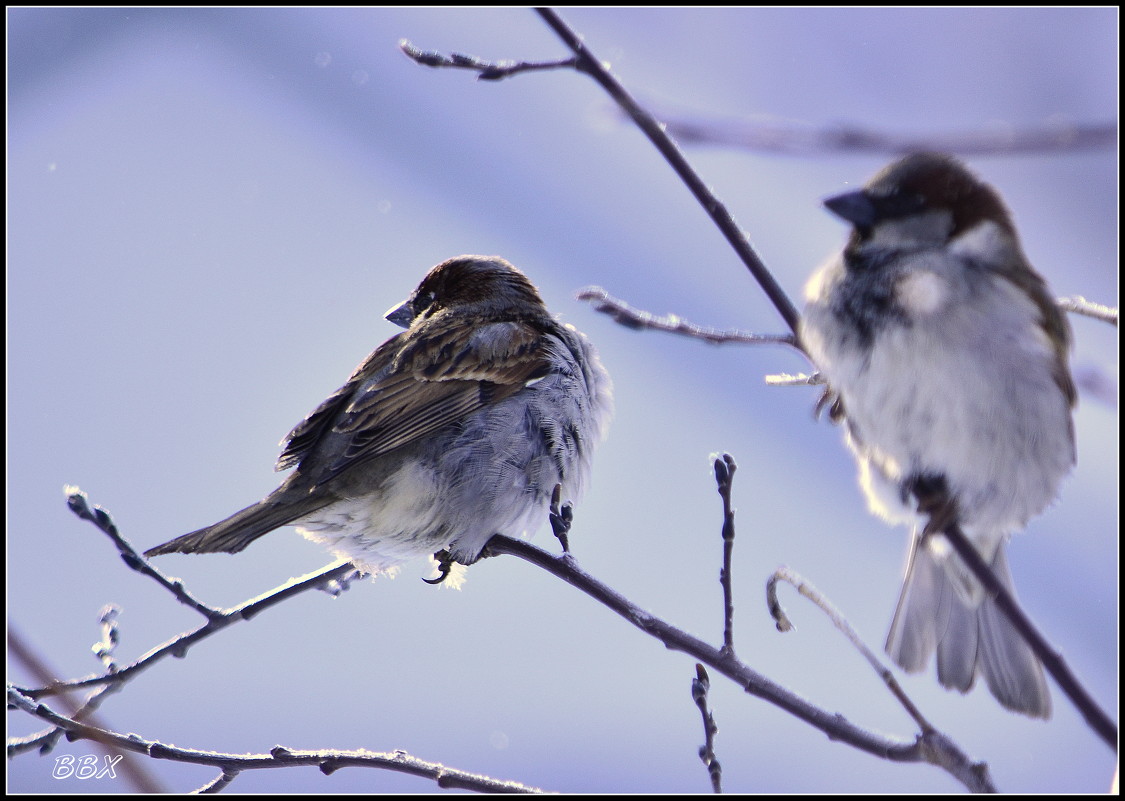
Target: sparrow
[[948, 360], [458, 428]]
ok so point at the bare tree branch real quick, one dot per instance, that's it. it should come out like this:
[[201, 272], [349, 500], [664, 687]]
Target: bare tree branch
[[622, 313], [928, 747], [278, 757], [631, 317], [585, 62], [931, 747], [654, 130], [328, 578], [136, 773], [940, 749]]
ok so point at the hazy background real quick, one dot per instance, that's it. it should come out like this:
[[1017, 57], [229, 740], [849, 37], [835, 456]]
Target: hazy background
[[208, 212]]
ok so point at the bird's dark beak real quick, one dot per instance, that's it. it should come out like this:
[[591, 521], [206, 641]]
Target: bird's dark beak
[[855, 207], [401, 315]]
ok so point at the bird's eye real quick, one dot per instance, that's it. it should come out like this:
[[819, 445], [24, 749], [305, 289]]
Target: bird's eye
[[423, 302]]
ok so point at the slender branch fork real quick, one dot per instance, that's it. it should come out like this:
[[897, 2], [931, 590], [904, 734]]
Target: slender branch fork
[[333, 579], [584, 61], [781, 619], [327, 762], [930, 746]]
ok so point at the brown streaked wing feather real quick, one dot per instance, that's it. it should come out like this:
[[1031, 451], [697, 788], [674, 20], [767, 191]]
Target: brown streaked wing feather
[[500, 352], [400, 414], [1053, 319], [435, 382], [307, 433]]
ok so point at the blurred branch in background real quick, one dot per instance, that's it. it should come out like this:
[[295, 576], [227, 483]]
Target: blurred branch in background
[[792, 138]]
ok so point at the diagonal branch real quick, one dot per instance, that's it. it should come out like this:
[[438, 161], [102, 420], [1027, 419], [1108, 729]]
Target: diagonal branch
[[930, 747], [217, 619], [1052, 660], [585, 62], [654, 130], [179, 645], [941, 750]]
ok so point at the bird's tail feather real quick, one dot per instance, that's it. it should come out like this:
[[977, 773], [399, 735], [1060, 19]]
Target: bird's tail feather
[[969, 638], [241, 528]]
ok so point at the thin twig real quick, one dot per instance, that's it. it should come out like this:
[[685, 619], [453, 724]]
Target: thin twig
[[178, 646], [486, 70], [219, 783], [631, 317], [331, 578], [699, 687], [798, 380], [1079, 305], [724, 478], [777, 612], [585, 62], [79, 503]]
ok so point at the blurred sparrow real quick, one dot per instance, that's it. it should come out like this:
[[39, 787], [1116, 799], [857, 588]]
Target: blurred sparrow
[[949, 359], [452, 431]]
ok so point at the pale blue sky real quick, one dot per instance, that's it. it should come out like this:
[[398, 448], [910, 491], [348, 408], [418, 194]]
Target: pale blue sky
[[208, 212]]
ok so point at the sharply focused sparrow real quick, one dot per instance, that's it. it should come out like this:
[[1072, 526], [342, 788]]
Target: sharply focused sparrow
[[949, 359], [452, 431]]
